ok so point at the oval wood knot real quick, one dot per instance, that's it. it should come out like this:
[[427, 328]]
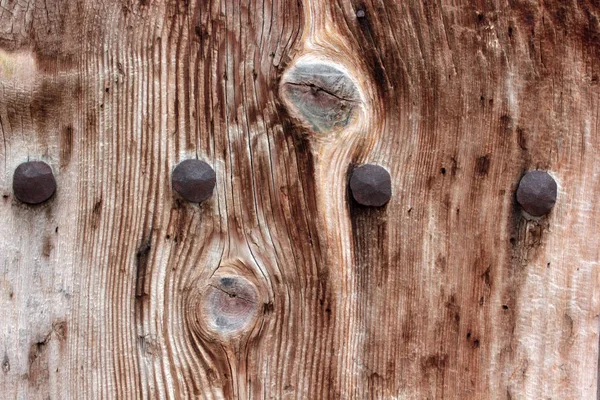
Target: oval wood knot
[[227, 306], [321, 94]]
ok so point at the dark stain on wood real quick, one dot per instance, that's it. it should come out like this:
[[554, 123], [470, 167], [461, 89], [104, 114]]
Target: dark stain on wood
[[482, 165], [5, 364], [38, 373], [434, 362], [96, 214], [486, 276], [47, 246], [521, 138], [141, 266], [506, 122], [66, 145]]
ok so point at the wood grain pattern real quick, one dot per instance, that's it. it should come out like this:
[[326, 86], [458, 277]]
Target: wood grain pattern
[[281, 286]]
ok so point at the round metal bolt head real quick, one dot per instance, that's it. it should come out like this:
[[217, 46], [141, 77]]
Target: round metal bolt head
[[537, 193], [33, 182], [371, 185], [194, 180]]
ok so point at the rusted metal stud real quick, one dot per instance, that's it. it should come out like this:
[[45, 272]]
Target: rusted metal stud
[[537, 193], [194, 180], [33, 182], [371, 185]]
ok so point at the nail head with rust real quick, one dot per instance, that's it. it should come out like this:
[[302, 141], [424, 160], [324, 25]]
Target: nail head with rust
[[537, 193], [33, 182], [371, 185], [194, 180]]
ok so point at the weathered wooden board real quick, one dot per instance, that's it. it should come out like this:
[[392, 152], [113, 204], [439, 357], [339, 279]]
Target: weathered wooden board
[[281, 286]]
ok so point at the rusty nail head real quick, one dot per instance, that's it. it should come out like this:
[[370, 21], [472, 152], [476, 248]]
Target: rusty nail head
[[33, 182], [537, 193], [371, 185], [194, 180]]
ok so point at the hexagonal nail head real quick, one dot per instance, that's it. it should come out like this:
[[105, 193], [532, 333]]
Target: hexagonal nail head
[[194, 180], [537, 193], [371, 185], [33, 182]]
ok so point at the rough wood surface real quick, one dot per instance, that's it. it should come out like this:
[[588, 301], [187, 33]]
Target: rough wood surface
[[280, 286]]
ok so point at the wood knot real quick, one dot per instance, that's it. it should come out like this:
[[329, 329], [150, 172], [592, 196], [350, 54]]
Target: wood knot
[[321, 94], [226, 306]]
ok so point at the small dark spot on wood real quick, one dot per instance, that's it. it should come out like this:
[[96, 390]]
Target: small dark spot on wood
[[441, 263], [47, 247], [56, 230], [486, 277], [513, 241], [66, 145], [506, 122], [5, 364], [141, 267], [227, 282], [454, 167], [430, 181], [468, 335], [510, 31], [521, 139], [504, 307], [60, 329], [443, 171], [142, 343], [476, 343], [482, 165], [38, 374], [96, 213], [268, 308], [481, 300], [453, 309], [409, 210]]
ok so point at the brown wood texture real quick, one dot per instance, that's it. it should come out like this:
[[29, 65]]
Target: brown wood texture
[[281, 286]]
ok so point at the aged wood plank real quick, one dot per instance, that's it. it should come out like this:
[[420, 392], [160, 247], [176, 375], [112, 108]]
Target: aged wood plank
[[280, 285]]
